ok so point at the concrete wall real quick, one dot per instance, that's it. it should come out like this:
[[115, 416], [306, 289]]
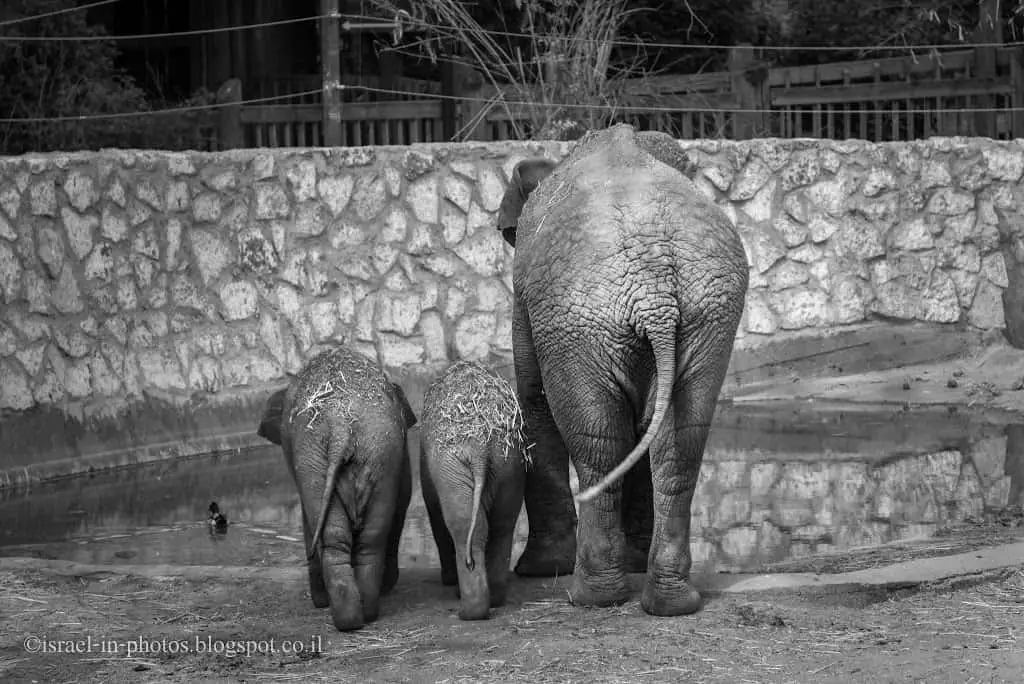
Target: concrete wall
[[151, 299]]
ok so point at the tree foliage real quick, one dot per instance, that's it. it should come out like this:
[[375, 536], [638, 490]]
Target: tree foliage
[[41, 80]]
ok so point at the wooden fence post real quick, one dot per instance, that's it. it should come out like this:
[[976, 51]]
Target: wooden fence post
[[330, 70], [230, 134], [468, 83], [989, 31], [750, 86], [1017, 100]]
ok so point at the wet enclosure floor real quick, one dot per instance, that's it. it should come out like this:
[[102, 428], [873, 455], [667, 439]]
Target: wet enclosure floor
[[778, 484]]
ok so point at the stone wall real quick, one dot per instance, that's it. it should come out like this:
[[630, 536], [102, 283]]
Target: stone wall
[[155, 286]]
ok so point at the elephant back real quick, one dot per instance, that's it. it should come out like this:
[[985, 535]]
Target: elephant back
[[341, 383], [471, 402]]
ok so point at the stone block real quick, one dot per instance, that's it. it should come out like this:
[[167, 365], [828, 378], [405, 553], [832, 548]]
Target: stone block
[[271, 201], [473, 334], [302, 179], [10, 274], [422, 199], [369, 197], [211, 253], [239, 300], [42, 197], [336, 192]]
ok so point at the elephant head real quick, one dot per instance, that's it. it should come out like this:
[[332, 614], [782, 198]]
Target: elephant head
[[526, 176]]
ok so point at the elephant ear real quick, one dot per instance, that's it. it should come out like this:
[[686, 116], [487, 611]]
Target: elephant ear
[[270, 425], [407, 413], [527, 175], [665, 149]]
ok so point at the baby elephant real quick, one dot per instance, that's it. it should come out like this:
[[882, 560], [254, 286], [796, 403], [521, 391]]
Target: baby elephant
[[342, 426], [472, 471]]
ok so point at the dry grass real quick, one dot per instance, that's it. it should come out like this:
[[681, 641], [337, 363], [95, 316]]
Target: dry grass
[[337, 380], [470, 402], [561, 68]]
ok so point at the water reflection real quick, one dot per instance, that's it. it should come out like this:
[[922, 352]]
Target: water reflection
[[776, 485]]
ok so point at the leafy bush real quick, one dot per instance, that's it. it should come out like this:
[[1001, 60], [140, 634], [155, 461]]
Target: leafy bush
[[42, 80]]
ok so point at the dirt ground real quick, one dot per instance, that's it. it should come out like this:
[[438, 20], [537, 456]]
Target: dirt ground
[[146, 629]]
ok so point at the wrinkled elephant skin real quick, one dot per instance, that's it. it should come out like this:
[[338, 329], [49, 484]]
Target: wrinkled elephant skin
[[629, 288], [342, 427], [472, 475]]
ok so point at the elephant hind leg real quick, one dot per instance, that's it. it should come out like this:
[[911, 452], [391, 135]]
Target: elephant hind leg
[[675, 464], [438, 528], [551, 546], [599, 433], [314, 567], [503, 515], [391, 570]]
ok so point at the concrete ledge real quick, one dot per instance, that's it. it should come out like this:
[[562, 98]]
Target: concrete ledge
[[46, 444]]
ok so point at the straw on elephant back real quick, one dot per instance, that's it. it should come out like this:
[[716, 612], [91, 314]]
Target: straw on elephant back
[[469, 401], [334, 381]]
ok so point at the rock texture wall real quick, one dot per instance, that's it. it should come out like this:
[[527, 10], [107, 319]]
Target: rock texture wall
[[129, 275]]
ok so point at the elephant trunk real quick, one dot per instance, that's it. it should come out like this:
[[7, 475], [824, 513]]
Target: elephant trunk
[[339, 452], [663, 344], [479, 467]]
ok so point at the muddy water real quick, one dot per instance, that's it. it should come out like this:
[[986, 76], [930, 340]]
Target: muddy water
[[777, 483]]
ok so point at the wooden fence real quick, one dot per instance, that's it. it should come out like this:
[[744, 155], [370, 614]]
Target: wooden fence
[[900, 98]]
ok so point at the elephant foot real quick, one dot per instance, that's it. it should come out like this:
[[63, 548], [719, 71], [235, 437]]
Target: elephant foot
[[470, 613], [681, 599], [582, 595], [320, 599], [548, 556]]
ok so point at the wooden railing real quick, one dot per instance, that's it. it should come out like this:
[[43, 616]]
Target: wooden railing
[[899, 98]]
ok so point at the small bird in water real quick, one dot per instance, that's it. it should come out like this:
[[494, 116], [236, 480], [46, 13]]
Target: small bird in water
[[217, 519]]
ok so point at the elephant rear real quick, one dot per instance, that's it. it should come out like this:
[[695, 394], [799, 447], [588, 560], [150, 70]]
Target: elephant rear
[[472, 471], [342, 427], [629, 289]]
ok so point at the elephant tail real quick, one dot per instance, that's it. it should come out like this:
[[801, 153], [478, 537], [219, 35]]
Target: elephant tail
[[663, 345], [339, 452], [479, 467]]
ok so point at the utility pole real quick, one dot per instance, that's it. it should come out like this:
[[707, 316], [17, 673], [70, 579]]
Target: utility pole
[[330, 69], [990, 30]]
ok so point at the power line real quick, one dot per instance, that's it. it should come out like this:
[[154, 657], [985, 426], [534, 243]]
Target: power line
[[642, 109], [511, 103], [154, 36], [151, 112], [716, 46], [54, 13], [425, 25]]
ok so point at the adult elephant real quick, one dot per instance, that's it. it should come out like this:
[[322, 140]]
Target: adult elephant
[[629, 288]]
